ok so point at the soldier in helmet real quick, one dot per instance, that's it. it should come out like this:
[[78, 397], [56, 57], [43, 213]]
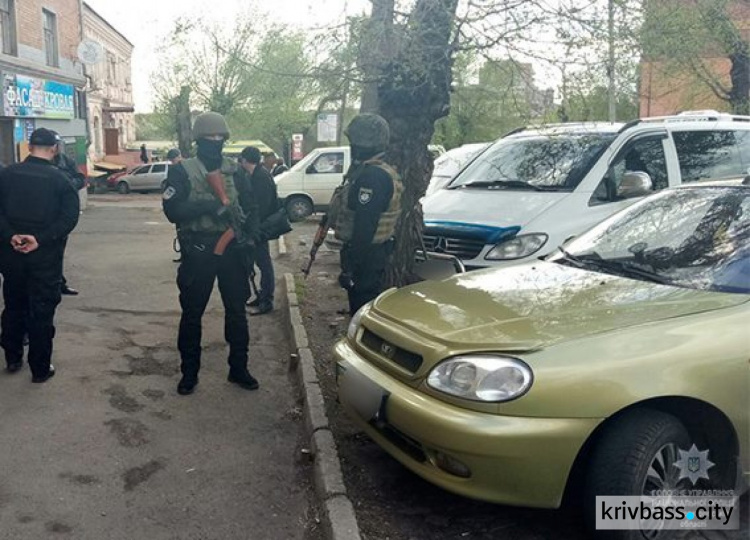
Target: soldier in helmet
[[203, 214], [366, 211]]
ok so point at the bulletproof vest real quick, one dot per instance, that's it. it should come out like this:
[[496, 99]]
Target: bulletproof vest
[[200, 190], [344, 216]]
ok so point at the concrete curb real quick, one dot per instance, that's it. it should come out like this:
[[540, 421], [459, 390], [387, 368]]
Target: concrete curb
[[282, 245], [339, 518]]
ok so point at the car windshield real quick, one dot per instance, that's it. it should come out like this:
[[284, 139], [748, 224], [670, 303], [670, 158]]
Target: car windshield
[[697, 238], [541, 162]]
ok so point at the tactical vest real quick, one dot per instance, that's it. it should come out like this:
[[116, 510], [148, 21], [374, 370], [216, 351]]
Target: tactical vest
[[200, 190], [343, 216]]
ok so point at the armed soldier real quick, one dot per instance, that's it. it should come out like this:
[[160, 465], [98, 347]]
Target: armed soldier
[[365, 211], [203, 197]]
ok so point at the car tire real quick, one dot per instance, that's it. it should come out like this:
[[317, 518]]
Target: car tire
[[298, 208], [123, 188], [638, 441]]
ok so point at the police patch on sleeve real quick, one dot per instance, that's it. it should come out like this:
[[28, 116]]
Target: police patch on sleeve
[[365, 195], [169, 193]]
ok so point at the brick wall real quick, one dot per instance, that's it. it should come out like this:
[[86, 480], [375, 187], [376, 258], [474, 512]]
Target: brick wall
[[30, 30]]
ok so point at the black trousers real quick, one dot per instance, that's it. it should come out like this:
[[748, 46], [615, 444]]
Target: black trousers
[[264, 262], [198, 271], [31, 291], [367, 269]]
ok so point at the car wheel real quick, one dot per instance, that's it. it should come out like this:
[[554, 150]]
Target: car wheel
[[636, 457], [123, 188], [298, 208]]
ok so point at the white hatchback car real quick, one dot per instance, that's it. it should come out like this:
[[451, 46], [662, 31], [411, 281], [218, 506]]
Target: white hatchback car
[[148, 177]]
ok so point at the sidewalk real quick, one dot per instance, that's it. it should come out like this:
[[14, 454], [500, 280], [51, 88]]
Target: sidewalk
[[107, 449]]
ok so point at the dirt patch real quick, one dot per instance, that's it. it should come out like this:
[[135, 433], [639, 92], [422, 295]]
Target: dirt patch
[[120, 400], [81, 479], [58, 528], [130, 433], [26, 519], [162, 415], [138, 475], [154, 395]]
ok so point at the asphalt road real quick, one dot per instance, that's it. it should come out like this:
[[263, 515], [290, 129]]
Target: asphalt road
[[107, 449]]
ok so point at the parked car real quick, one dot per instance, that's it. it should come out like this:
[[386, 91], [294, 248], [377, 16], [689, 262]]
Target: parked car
[[533, 189], [308, 186], [597, 368], [148, 177], [448, 165], [114, 178]]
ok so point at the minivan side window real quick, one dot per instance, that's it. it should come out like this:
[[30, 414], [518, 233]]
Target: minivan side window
[[159, 168], [328, 163], [707, 155], [642, 155]]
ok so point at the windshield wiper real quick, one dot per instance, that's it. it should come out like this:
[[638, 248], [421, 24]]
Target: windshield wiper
[[519, 184], [627, 269]]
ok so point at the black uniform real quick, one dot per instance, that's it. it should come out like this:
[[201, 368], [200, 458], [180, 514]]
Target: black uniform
[[267, 199], [200, 268], [278, 169], [78, 181], [36, 199], [362, 262]]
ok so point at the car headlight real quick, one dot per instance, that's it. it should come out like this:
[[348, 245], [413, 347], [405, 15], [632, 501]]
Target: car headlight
[[488, 378], [517, 247], [351, 332]]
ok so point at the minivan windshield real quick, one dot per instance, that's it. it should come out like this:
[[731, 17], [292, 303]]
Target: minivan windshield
[[536, 162]]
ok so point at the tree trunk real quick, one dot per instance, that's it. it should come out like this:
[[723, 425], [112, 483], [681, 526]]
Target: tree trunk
[[376, 50], [739, 96], [414, 93], [184, 128]]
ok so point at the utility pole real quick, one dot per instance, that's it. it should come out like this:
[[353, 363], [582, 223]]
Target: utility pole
[[611, 65]]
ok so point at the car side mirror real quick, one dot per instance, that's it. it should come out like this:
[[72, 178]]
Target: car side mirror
[[635, 184]]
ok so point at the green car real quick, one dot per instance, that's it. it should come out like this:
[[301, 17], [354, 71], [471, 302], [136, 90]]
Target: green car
[[600, 367]]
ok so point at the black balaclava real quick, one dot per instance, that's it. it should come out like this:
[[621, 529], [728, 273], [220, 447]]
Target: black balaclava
[[360, 153], [209, 152]]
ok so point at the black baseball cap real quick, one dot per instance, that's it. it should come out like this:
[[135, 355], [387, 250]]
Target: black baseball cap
[[43, 137], [251, 154]]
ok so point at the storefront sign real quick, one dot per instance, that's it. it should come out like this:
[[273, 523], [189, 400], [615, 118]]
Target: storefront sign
[[37, 98], [297, 140]]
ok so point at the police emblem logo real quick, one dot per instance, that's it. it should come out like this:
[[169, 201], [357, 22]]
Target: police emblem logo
[[388, 350], [169, 193], [365, 195]]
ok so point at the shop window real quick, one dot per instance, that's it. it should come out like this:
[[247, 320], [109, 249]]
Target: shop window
[[50, 38], [8, 26]]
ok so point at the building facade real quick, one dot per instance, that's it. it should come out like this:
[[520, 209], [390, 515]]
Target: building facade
[[110, 91], [43, 81]]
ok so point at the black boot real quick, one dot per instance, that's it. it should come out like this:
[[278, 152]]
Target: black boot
[[243, 379], [187, 385], [14, 365], [44, 378]]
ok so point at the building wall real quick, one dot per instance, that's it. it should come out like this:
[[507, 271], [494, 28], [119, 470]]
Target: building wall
[[30, 60], [110, 83]]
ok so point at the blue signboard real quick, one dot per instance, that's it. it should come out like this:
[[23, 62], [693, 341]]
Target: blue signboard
[[37, 98]]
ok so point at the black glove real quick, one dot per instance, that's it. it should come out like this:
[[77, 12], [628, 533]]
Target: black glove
[[346, 281]]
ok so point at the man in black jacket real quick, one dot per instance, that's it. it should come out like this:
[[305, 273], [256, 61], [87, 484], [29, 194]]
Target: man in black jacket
[[76, 178], [267, 200], [38, 210]]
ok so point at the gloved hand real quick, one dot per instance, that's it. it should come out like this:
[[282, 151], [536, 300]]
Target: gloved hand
[[346, 281]]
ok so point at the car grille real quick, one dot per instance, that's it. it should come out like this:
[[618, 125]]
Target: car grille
[[407, 360], [463, 248]]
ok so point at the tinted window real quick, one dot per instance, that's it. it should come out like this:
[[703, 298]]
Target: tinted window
[[707, 155], [329, 163], [142, 170], [643, 155], [743, 148], [158, 168]]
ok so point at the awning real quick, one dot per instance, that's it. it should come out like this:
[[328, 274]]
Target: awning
[[105, 166]]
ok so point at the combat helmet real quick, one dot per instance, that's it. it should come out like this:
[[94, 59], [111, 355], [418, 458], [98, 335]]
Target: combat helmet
[[368, 131], [210, 123]]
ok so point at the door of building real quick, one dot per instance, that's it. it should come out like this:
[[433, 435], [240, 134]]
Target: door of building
[[111, 141], [7, 147]]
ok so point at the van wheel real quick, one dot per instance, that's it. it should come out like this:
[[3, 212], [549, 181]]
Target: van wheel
[[636, 457], [123, 188], [298, 208]]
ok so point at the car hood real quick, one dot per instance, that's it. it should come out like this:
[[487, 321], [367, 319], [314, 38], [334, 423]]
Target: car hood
[[498, 208], [532, 306]]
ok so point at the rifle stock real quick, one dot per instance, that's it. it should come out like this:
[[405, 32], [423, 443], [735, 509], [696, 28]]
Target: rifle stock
[[320, 236], [216, 180]]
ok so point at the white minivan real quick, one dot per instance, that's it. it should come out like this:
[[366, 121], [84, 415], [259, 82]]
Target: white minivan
[[535, 188], [308, 186]]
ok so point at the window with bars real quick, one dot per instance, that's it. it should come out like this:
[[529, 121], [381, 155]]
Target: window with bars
[[8, 26], [50, 38]]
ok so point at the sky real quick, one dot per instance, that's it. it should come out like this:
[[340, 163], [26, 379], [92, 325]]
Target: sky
[[145, 23]]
